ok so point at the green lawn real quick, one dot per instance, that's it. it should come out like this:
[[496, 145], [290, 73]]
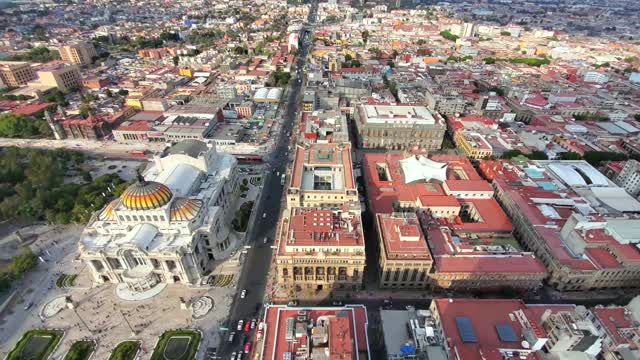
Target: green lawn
[[80, 350], [126, 350], [65, 281], [35, 345], [177, 345]]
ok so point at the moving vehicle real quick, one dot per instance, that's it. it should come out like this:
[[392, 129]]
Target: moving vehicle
[[233, 355], [232, 336], [243, 294], [266, 240], [240, 323], [264, 215], [283, 178]]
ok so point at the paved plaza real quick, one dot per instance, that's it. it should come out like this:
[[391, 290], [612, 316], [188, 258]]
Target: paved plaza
[[100, 314]]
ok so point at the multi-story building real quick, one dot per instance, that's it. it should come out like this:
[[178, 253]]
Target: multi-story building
[[475, 329], [472, 143], [314, 333], [619, 329], [571, 331], [469, 236], [398, 127], [309, 101], [324, 126], [80, 53], [583, 227], [16, 73], [629, 177], [320, 251], [447, 104], [322, 176], [405, 260], [168, 227], [59, 75]]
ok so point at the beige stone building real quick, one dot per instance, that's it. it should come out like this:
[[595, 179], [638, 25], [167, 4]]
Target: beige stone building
[[320, 251], [61, 76], [581, 225], [405, 259], [399, 127], [81, 53], [322, 176], [16, 73]]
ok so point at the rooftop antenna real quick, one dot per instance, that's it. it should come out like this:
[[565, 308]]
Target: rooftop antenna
[[141, 179]]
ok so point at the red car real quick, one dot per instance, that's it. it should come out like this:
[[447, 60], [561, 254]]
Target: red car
[[247, 326], [247, 348]]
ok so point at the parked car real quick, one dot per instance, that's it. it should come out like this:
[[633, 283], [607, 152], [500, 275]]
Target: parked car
[[247, 326], [247, 348], [253, 324]]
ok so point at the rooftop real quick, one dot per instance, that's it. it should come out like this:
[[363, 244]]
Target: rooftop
[[324, 167], [338, 332], [402, 237]]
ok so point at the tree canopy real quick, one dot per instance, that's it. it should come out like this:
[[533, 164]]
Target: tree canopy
[[21, 126], [32, 186]]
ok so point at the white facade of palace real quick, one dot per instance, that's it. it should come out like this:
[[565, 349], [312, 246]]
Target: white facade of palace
[[168, 227]]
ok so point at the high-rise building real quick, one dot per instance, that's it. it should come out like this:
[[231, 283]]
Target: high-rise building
[[629, 177], [80, 53], [16, 73], [59, 75]]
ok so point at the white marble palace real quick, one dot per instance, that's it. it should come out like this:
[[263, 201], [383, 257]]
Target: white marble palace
[[170, 225]]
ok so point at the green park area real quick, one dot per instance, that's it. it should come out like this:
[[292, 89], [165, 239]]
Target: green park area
[[126, 350], [36, 345], [177, 345]]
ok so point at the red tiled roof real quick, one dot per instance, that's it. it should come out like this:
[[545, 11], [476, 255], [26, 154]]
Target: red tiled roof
[[346, 329]]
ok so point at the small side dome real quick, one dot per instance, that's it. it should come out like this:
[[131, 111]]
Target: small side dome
[[108, 214], [146, 195], [184, 209]]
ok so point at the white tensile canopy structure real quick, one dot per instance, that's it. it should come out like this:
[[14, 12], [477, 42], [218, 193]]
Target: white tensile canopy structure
[[419, 168]]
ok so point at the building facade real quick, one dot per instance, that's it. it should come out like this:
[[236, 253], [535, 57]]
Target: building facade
[[16, 73], [81, 53], [629, 177], [61, 76], [321, 251], [169, 226], [405, 260], [399, 127], [579, 223]]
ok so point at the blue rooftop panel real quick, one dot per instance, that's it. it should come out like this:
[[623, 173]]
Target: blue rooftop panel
[[465, 329], [506, 333]]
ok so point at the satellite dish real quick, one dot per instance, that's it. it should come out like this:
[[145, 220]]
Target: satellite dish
[[525, 344]]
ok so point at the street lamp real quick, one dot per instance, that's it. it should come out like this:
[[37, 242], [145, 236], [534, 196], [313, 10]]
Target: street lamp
[[73, 307]]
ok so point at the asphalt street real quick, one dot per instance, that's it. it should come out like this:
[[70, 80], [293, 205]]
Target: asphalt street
[[254, 275]]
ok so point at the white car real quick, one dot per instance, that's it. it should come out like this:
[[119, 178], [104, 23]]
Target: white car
[[264, 215], [240, 323], [243, 294]]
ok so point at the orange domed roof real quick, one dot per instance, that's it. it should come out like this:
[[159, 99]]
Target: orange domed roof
[[107, 214], [145, 195], [183, 209]]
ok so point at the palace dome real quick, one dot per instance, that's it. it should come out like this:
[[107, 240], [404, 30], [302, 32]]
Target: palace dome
[[146, 195], [184, 209], [108, 214]]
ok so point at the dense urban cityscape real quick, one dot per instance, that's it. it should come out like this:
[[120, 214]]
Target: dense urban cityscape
[[319, 179]]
